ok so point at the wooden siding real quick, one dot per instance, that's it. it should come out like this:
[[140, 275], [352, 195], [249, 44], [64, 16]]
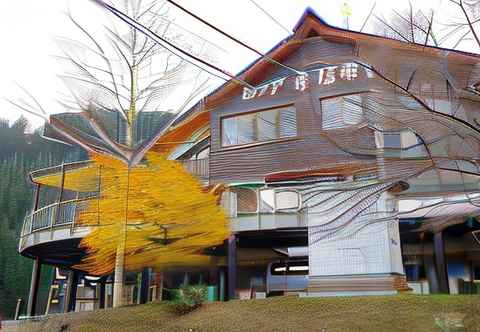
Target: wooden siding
[[309, 150]]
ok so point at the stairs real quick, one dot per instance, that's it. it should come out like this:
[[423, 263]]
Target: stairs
[[361, 284]]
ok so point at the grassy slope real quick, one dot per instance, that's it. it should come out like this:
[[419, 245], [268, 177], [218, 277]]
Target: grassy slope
[[392, 313]]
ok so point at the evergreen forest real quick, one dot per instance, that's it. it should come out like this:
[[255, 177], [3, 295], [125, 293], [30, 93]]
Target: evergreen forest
[[22, 150]]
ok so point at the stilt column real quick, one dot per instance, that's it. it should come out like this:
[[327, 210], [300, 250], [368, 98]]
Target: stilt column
[[101, 295], [440, 262], [71, 293], [34, 282], [232, 266], [144, 285]]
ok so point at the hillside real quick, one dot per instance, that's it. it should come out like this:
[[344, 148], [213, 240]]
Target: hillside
[[21, 151], [383, 313]]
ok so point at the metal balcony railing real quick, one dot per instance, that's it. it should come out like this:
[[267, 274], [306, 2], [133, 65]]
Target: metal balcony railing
[[63, 214], [53, 216], [197, 167], [58, 168]]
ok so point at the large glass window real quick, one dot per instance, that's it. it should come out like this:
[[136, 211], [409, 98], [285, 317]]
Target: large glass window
[[259, 126], [341, 112]]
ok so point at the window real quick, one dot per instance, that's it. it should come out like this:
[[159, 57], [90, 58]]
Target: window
[[260, 126], [246, 200], [402, 139], [267, 200], [287, 200], [289, 268], [404, 143], [391, 140], [341, 112], [203, 154]]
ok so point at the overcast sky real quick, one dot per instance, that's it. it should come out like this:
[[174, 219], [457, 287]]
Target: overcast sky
[[28, 29]]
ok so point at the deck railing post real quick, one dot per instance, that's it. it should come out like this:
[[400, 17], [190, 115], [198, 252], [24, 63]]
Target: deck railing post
[[31, 222], [60, 196]]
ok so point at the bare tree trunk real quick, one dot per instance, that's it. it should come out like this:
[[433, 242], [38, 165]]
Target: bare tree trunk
[[119, 281], [119, 270]]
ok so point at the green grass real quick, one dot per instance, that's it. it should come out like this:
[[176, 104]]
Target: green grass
[[380, 313]]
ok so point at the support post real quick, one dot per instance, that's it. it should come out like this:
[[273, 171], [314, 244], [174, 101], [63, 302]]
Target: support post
[[34, 282], [37, 197], [101, 295], [144, 285], [232, 266], [71, 293], [59, 197], [440, 262], [221, 286], [50, 291], [17, 309], [431, 272], [159, 285], [472, 277]]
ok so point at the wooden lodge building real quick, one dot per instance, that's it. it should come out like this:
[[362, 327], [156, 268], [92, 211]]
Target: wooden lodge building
[[328, 167]]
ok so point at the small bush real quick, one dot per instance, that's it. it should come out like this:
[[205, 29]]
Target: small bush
[[189, 298]]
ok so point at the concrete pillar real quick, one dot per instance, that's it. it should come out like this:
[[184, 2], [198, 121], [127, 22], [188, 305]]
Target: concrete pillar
[[71, 292], [431, 272], [232, 266], [440, 262], [144, 285], [34, 282]]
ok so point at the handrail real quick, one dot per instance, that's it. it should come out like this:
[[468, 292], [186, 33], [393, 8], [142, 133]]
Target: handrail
[[53, 215], [198, 167], [58, 168]]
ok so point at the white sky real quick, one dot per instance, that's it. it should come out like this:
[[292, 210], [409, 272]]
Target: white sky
[[28, 29]]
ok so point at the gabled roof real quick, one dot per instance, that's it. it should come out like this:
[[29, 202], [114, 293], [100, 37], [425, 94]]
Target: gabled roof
[[310, 24]]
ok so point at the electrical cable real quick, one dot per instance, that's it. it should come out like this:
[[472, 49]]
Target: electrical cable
[[233, 38], [271, 17]]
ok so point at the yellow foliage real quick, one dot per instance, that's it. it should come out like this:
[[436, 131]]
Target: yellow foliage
[[81, 179], [158, 209]]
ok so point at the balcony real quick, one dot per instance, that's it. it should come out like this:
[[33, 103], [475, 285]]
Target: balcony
[[63, 191], [197, 167], [54, 222]]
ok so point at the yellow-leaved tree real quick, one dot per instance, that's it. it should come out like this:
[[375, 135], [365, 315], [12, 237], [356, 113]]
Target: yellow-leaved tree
[[158, 212]]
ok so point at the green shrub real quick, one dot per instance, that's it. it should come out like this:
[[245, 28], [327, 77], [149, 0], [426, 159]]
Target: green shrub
[[189, 297]]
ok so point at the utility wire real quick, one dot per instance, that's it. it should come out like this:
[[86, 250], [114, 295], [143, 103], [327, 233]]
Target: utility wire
[[368, 16], [160, 40], [271, 17], [233, 38]]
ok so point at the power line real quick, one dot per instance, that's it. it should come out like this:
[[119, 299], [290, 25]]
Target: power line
[[232, 38], [271, 17], [160, 40]]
